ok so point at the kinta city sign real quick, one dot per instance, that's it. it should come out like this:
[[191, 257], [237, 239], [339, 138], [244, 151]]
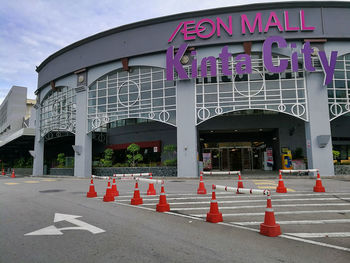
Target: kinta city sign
[[206, 28]]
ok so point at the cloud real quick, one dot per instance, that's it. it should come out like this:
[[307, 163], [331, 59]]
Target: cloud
[[32, 30]]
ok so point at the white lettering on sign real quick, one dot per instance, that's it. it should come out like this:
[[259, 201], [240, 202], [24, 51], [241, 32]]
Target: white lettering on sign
[[52, 230]]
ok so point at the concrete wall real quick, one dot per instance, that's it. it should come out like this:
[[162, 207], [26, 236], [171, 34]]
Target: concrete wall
[[16, 110]]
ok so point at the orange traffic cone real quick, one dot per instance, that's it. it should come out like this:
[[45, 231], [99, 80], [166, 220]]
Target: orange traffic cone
[[3, 171], [269, 227], [163, 206], [201, 188], [281, 188], [240, 183], [151, 190], [214, 216], [13, 174], [136, 200], [108, 197], [114, 188], [319, 187], [92, 192]]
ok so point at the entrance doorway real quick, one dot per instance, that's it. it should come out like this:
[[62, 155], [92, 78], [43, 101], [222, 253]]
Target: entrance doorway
[[238, 151], [237, 158]]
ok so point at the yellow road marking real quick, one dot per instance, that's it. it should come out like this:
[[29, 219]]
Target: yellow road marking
[[267, 187], [290, 190], [48, 180], [263, 181], [11, 183], [31, 182]]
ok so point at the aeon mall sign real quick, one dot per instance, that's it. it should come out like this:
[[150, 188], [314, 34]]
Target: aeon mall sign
[[206, 28]]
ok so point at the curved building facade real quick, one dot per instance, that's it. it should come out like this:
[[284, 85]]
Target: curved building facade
[[233, 88]]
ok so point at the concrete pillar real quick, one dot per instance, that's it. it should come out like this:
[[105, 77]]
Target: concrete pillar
[[318, 130], [38, 165], [83, 141], [187, 164]]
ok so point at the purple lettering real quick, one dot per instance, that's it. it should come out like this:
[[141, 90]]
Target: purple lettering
[[267, 54], [328, 69], [244, 64], [307, 51], [212, 61], [174, 62], [224, 56], [294, 58]]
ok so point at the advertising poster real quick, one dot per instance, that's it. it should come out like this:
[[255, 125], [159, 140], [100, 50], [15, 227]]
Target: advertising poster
[[207, 161], [269, 157]]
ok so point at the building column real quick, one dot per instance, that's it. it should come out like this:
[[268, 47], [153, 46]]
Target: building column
[[39, 143], [187, 164], [83, 141], [318, 129]]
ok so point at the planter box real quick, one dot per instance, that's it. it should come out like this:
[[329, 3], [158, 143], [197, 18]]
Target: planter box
[[22, 171], [156, 171], [341, 169], [61, 171]]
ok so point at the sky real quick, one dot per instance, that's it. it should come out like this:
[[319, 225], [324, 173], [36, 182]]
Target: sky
[[32, 30]]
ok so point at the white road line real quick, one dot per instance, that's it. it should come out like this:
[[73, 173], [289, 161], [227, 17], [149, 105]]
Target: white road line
[[279, 213], [247, 228], [319, 235], [314, 242], [275, 197], [260, 206], [297, 222], [228, 195], [255, 201]]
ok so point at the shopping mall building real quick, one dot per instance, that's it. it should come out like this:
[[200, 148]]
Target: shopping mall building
[[233, 88]]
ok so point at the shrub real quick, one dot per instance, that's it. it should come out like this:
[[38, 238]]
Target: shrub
[[61, 160], [172, 162], [134, 157], [107, 160]]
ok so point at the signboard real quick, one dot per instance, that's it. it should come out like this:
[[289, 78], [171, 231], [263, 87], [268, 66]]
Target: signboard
[[209, 27], [269, 157], [207, 165]]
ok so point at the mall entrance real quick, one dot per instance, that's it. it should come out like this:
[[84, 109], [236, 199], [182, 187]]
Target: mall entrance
[[241, 150]]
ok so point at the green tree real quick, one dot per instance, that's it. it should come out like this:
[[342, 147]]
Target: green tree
[[107, 160], [61, 160], [336, 154], [134, 156], [169, 152]]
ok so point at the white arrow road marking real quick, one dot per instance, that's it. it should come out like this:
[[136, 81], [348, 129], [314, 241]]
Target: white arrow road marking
[[47, 231], [80, 225], [316, 235]]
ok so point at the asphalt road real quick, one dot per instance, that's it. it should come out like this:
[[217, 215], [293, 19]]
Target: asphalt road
[[139, 234]]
